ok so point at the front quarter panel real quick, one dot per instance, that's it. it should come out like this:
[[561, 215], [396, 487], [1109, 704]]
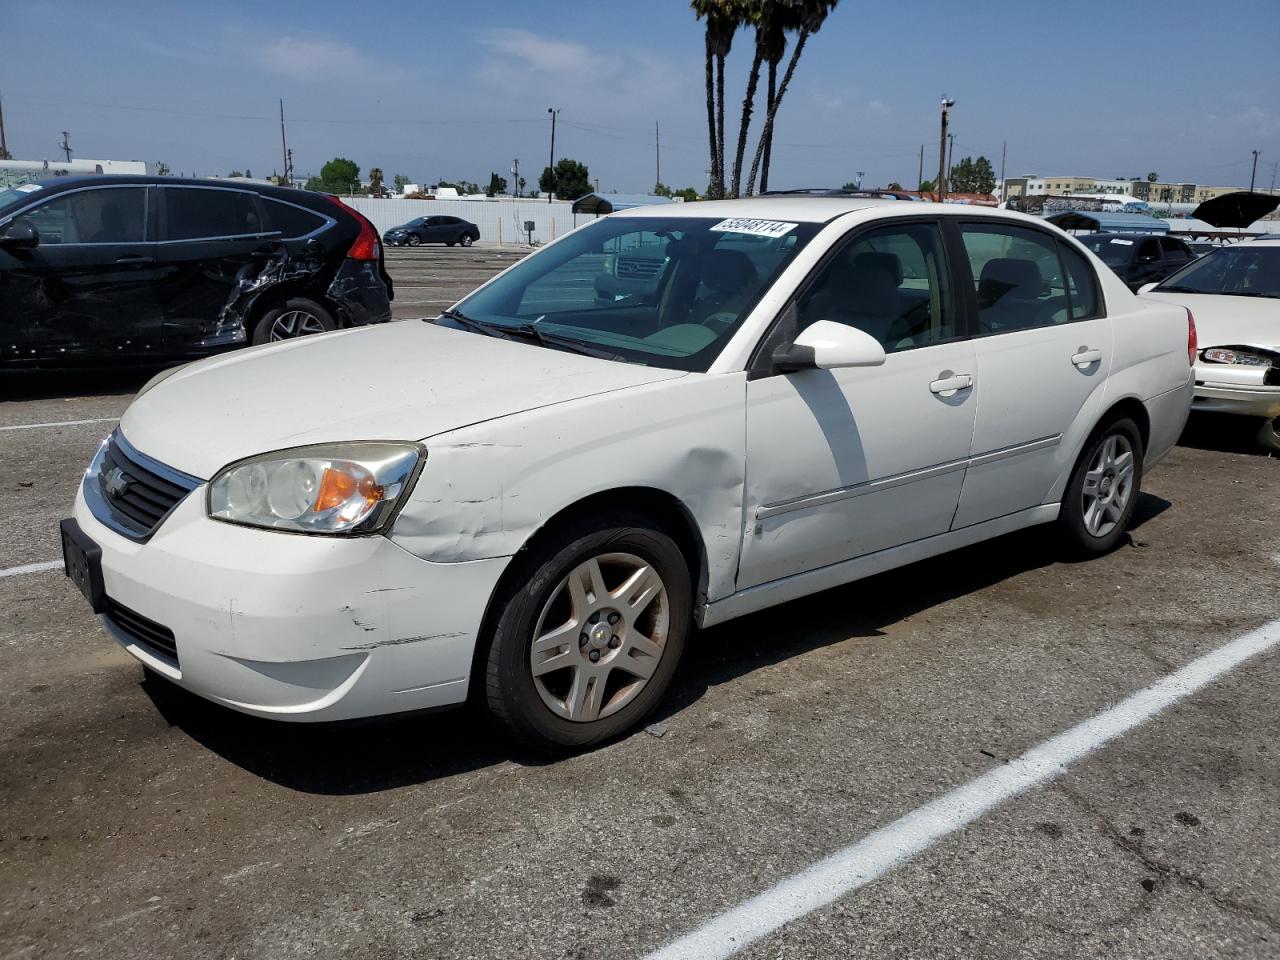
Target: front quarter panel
[[486, 489]]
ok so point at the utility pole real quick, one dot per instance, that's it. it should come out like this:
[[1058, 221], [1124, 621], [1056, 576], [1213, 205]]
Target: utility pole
[[1254, 176], [657, 155], [941, 185], [553, 111], [284, 147], [65, 145], [951, 154], [288, 170], [4, 147], [861, 174], [515, 173], [1003, 149], [920, 176]]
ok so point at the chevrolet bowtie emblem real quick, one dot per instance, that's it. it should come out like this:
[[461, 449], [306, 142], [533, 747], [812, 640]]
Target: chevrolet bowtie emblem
[[116, 483]]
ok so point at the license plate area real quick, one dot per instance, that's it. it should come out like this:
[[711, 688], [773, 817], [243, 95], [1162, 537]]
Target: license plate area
[[82, 562]]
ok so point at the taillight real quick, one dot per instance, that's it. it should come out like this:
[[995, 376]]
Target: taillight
[[367, 246], [1191, 338]]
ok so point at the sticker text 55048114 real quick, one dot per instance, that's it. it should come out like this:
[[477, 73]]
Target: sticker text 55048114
[[756, 228]]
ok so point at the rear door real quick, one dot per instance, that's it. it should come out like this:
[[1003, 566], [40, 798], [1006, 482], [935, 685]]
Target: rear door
[[213, 240], [1043, 353], [88, 290]]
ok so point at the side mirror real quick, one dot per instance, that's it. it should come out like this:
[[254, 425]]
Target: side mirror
[[20, 235], [1148, 287], [827, 345]]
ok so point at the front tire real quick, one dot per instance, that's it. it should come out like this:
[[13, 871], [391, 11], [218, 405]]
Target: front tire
[[1103, 490], [413, 240], [590, 636], [296, 317], [466, 240]]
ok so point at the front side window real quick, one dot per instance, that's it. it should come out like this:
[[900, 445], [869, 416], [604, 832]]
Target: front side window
[[668, 292], [192, 213], [889, 282], [109, 215], [1017, 277]]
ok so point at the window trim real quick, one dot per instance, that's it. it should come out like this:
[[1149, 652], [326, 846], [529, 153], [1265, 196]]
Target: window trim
[[163, 207], [760, 363], [971, 287], [148, 206]]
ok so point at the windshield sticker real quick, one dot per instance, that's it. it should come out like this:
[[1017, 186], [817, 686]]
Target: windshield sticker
[[27, 187], [755, 228], [1123, 243]]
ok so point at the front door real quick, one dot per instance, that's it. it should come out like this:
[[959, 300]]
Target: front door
[[843, 463], [87, 291], [1043, 352], [214, 243]]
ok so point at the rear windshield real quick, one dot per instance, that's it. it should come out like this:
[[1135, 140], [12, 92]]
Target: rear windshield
[[1245, 270], [668, 292]]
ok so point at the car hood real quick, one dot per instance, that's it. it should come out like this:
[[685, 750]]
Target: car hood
[[398, 381], [1227, 321]]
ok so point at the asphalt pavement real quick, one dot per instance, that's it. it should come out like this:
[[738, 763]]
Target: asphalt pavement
[[139, 822]]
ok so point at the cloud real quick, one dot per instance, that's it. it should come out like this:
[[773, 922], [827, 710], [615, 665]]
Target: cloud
[[879, 107], [543, 54], [314, 58]]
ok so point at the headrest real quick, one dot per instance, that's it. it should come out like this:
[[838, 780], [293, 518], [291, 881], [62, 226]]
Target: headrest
[[728, 271], [1005, 275], [874, 262]]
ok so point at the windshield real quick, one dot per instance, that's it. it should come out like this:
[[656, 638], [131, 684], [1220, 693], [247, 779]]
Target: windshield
[[1113, 251], [1245, 270], [662, 291]]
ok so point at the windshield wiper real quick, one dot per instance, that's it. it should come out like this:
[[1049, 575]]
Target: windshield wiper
[[528, 332], [1175, 290]]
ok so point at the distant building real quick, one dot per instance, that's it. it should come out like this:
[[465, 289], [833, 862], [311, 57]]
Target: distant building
[[14, 172], [1159, 192]]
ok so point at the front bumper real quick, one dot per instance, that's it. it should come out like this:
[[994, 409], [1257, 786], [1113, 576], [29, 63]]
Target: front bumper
[[295, 627], [1239, 389]]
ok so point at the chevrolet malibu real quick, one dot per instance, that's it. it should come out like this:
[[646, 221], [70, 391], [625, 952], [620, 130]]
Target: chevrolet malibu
[[532, 499]]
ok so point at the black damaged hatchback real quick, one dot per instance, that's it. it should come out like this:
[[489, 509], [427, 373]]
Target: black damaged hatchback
[[138, 269]]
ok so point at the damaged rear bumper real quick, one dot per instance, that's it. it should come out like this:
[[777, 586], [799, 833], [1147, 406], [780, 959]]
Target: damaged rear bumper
[[293, 627], [360, 293]]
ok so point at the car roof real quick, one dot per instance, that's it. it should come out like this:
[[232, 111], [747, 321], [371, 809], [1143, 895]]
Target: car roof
[[51, 185], [807, 208]]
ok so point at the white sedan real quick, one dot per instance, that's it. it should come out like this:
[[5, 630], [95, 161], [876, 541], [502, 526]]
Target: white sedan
[[1234, 293], [532, 499]]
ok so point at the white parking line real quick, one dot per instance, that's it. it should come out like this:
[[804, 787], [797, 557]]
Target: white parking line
[[31, 568], [58, 423], [875, 855]]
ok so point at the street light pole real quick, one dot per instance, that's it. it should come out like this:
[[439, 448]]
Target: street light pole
[[552, 167], [1254, 176], [941, 185]]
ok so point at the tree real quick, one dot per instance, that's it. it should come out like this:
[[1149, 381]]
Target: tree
[[688, 194], [972, 176], [661, 190], [315, 183], [894, 185], [339, 175], [235, 173], [1152, 177], [400, 181], [376, 189], [248, 173], [809, 18], [926, 186], [849, 186], [723, 19], [521, 184], [497, 185], [569, 181], [462, 186], [162, 168]]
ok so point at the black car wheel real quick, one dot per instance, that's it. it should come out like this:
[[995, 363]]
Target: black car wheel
[[414, 240], [296, 317], [466, 240]]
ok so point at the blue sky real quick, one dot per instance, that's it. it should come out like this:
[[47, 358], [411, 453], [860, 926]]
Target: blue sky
[[445, 90]]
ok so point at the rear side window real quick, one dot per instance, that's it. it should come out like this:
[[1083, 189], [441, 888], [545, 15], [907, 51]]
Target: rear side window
[[1082, 285], [292, 221], [1175, 249], [192, 213], [1017, 277], [109, 215]]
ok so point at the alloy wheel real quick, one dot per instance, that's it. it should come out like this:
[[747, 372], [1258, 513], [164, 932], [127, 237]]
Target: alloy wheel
[[1108, 485], [600, 637], [414, 240], [295, 323]]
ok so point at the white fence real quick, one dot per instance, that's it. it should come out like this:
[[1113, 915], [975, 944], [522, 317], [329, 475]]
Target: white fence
[[499, 220]]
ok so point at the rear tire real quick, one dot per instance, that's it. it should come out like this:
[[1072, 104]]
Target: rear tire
[[618, 592], [1102, 493], [295, 317], [1269, 435]]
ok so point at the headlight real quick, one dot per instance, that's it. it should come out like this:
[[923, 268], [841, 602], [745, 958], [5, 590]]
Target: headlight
[[332, 488], [1219, 355]]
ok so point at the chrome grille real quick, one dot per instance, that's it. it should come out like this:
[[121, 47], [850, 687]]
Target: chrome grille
[[130, 492]]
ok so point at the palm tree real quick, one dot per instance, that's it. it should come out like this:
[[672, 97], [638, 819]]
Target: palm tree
[[723, 18], [375, 182], [809, 17], [771, 19]]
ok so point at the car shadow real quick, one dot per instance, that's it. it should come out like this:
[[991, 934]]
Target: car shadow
[[67, 384], [382, 754], [1223, 433]]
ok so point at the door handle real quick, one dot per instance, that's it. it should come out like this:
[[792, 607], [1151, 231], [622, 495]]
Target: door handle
[[136, 259], [1085, 357], [949, 384]]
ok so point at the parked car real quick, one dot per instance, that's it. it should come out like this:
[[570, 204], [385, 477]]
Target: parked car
[[150, 268], [536, 496], [1139, 258], [435, 229], [1234, 293]]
